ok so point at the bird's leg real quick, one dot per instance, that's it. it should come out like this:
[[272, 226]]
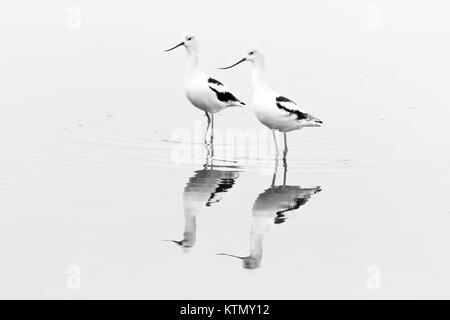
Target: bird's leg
[[285, 147], [207, 127], [212, 128], [212, 134], [276, 144], [210, 145]]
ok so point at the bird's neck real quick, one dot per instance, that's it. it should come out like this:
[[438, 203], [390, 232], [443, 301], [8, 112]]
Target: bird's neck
[[192, 61], [256, 244], [190, 228], [258, 75]]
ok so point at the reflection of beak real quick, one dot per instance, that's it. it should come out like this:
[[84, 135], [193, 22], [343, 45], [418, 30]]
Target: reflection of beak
[[180, 44], [174, 241], [248, 262], [242, 60], [230, 255]]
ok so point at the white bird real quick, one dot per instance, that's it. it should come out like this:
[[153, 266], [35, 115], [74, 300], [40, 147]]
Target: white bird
[[273, 206], [272, 110], [205, 188], [204, 92]]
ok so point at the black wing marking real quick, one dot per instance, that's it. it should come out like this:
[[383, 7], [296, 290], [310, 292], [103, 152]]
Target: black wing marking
[[224, 96], [221, 92], [214, 81], [288, 105], [223, 186]]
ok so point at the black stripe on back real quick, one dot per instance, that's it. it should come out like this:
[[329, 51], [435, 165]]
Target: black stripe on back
[[223, 186], [214, 81], [224, 96], [300, 115]]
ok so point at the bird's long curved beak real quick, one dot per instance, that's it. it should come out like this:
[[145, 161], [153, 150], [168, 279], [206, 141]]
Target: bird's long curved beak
[[175, 241], [242, 60], [180, 44], [230, 255]]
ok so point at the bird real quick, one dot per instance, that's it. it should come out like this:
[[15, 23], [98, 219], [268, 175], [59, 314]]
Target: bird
[[276, 112], [273, 206], [204, 189], [203, 91]]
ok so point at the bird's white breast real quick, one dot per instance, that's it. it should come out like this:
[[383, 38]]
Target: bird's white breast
[[265, 108], [198, 93]]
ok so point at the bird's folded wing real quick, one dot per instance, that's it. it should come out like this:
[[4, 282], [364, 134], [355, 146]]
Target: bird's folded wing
[[290, 107], [222, 93]]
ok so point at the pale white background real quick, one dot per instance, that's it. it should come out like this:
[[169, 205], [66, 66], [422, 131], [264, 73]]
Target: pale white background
[[88, 99]]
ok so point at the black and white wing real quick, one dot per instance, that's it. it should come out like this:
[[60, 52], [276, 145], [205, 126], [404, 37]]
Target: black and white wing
[[222, 93], [291, 108]]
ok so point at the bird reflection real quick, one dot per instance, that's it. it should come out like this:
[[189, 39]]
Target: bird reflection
[[204, 189], [273, 206]]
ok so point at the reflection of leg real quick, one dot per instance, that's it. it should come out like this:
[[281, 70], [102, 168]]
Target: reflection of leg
[[208, 160], [285, 171], [207, 127], [285, 146], [276, 144]]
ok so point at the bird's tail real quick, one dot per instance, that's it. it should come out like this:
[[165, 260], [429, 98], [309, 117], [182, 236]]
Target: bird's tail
[[237, 104], [315, 122], [317, 189]]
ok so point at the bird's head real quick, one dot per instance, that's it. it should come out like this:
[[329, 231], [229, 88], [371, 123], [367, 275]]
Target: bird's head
[[189, 42], [185, 245], [253, 55], [248, 262]]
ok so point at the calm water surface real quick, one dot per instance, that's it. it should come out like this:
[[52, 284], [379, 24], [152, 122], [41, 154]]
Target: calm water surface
[[102, 158]]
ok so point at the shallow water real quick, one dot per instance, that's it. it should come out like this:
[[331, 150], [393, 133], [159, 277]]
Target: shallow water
[[102, 156]]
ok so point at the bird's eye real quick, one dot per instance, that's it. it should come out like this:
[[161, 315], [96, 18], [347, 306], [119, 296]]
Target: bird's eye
[[251, 52], [189, 38]]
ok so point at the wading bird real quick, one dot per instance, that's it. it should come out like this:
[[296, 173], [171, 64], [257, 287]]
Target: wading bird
[[205, 188], [276, 112], [204, 92], [273, 206]]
